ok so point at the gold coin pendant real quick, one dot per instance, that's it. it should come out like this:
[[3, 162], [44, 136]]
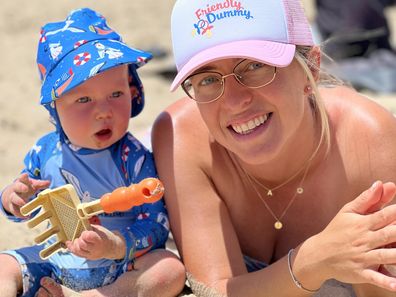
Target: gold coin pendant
[[278, 225]]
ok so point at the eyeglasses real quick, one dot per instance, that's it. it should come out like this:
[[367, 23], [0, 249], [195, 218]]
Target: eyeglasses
[[208, 86]]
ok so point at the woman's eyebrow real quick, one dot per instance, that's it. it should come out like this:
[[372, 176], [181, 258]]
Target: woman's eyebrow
[[214, 67], [205, 68]]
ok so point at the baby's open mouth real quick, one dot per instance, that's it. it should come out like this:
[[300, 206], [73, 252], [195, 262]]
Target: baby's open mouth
[[103, 132]]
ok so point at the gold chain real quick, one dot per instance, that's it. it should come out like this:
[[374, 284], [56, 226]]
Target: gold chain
[[270, 190], [300, 190], [305, 165]]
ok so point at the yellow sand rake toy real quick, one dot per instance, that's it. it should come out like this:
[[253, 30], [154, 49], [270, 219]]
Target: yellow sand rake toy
[[68, 217]]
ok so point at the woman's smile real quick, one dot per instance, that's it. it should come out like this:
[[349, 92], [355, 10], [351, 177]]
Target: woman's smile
[[250, 125]]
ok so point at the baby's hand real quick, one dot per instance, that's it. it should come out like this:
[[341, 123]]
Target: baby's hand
[[98, 243], [17, 194]]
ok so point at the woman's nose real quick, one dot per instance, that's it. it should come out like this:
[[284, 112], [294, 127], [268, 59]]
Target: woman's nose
[[235, 94]]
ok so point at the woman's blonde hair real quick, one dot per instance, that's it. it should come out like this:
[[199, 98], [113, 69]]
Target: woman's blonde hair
[[304, 58]]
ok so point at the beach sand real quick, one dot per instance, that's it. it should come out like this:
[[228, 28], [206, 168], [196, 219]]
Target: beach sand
[[142, 23]]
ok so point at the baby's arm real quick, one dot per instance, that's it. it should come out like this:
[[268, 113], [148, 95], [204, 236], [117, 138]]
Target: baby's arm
[[18, 193], [30, 181]]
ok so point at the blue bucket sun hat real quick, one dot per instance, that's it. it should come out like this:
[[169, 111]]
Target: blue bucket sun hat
[[74, 50]]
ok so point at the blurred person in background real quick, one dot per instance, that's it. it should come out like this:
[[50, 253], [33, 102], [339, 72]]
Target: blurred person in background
[[357, 35]]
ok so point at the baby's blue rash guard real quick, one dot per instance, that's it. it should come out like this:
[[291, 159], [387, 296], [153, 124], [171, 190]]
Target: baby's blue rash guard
[[94, 173]]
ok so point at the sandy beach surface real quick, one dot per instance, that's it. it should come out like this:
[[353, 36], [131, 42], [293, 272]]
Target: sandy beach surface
[[142, 23]]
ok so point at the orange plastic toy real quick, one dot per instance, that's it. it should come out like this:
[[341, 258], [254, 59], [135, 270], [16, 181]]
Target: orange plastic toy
[[68, 217], [148, 190]]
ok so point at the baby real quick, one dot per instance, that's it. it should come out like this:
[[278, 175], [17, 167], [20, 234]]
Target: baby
[[91, 89]]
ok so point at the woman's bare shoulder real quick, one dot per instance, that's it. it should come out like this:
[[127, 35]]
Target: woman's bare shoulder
[[181, 128], [181, 115], [346, 106], [364, 132]]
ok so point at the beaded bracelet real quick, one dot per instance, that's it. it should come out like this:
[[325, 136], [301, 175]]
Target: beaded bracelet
[[295, 280]]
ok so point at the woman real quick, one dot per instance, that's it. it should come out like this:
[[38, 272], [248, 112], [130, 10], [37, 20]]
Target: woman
[[266, 171]]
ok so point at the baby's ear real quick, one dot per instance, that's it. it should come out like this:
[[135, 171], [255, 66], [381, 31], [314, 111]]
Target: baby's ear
[[134, 91], [314, 62]]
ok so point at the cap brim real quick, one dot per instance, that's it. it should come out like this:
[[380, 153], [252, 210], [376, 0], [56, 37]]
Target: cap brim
[[69, 78], [272, 53]]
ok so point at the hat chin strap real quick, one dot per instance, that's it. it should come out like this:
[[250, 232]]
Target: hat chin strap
[[54, 119]]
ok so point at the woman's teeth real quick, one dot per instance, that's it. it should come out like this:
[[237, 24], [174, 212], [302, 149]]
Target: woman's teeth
[[247, 127]]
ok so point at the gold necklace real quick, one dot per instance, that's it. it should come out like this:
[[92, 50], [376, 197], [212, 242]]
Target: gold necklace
[[278, 223], [270, 190], [300, 190]]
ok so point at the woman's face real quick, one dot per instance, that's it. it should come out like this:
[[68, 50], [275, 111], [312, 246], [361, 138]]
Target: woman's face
[[257, 124]]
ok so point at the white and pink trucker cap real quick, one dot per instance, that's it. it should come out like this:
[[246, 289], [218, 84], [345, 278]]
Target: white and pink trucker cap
[[204, 31]]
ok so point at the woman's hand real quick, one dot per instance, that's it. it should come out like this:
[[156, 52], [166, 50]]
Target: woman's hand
[[18, 193], [98, 243], [355, 244]]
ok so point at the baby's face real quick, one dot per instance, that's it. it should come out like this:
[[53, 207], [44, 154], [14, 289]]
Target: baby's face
[[96, 113]]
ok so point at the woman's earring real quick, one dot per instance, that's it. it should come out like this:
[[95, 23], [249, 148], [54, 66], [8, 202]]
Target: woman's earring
[[311, 96], [308, 89]]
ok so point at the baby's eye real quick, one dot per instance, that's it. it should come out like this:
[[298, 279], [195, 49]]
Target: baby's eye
[[116, 94], [83, 100]]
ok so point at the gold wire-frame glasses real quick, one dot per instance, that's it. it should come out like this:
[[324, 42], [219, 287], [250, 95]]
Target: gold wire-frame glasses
[[208, 86]]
